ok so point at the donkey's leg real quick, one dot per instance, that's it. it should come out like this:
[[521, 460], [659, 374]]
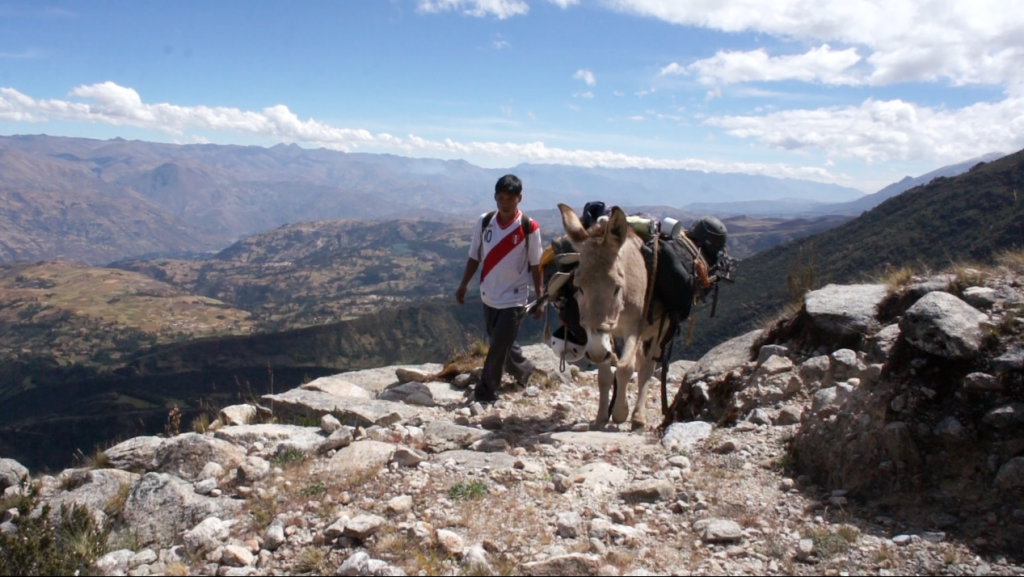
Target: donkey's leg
[[604, 385], [647, 366], [623, 373]]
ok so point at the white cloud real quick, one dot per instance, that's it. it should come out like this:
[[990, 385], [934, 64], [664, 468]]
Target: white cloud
[[23, 55], [638, 118], [110, 103], [888, 129], [565, 3], [583, 94], [586, 76], [821, 64], [980, 42], [645, 92], [500, 9], [500, 44]]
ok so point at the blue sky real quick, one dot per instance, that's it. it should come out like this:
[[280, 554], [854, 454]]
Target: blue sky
[[860, 93]]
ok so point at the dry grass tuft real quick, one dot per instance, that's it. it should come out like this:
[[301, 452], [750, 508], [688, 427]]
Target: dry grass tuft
[[896, 278]]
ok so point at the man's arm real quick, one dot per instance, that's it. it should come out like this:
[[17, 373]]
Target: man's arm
[[467, 275], [538, 279]]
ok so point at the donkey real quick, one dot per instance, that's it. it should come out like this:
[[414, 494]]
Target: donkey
[[612, 290]]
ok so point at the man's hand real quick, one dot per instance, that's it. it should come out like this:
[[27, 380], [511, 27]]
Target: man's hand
[[538, 312], [460, 294]]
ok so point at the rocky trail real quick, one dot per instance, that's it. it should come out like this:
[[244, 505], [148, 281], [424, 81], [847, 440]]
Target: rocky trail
[[823, 445]]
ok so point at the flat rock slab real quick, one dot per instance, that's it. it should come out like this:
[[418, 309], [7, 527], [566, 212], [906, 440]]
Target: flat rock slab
[[302, 403], [444, 393], [680, 437], [378, 379], [138, 454], [845, 309], [361, 459], [445, 436], [475, 460], [575, 564], [601, 473], [723, 358], [305, 439], [337, 385], [598, 439]]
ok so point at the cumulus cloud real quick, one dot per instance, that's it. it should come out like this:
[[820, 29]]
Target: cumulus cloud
[[905, 40], [586, 76], [888, 129], [564, 3], [820, 64], [500, 9], [111, 103]]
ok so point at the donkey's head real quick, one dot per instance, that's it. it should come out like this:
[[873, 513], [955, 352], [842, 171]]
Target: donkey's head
[[606, 287]]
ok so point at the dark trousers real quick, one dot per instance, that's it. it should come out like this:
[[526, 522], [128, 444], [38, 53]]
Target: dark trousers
[[503, 353]]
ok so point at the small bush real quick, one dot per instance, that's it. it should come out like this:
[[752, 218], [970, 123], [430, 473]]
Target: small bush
[[314, 491], [463, 491], [288, 458], [310, 561], [39, 548]]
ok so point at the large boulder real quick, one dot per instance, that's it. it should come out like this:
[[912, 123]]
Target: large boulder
[[185, 455], [137, 454], [845, 310], [273, 437], [161, 507], [351, 411], [943, 325], [11, 473]]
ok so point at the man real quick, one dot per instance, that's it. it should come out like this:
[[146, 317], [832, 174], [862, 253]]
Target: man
[[500, 242]]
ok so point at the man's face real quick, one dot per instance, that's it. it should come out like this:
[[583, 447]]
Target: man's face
[[507, 203]]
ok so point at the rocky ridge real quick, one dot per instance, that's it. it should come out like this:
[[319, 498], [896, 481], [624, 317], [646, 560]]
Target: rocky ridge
[[876, 431]]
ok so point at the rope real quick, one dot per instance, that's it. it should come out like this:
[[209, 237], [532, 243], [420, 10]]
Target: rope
[[649, 294]]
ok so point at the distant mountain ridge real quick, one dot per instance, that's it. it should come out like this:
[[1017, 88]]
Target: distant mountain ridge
[[949, 221], [171, 198]]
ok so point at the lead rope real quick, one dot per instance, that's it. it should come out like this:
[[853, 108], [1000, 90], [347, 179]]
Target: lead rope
[[649, 295]]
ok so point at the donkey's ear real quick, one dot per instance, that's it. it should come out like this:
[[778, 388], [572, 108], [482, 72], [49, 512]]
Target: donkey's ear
[[618, 228], [573, 227]]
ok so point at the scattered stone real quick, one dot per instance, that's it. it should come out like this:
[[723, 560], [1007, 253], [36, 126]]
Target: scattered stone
[[400, 505], [236, 556], [450, 542], [649, 492], [237, 415], [363, 526], [722, 531], [274, 537], [339, 438], [329, 423], [681, 437], [568, 524], [805, 549], [982, 383], [1011, 474], [575, 564], [406, 457], [760, 417]]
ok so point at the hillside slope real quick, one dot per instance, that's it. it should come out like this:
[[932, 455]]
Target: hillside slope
[[950, 220]]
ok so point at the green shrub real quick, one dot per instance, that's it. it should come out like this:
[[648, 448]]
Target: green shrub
[[467, 491], [69, 547]]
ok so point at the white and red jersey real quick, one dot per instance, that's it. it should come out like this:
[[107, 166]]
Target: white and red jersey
[[504, 275]]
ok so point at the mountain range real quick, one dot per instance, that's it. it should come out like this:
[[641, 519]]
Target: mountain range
[[98, 201]]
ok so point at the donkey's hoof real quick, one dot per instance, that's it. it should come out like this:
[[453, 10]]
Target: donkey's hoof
[[639, 425], [620, 417]]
